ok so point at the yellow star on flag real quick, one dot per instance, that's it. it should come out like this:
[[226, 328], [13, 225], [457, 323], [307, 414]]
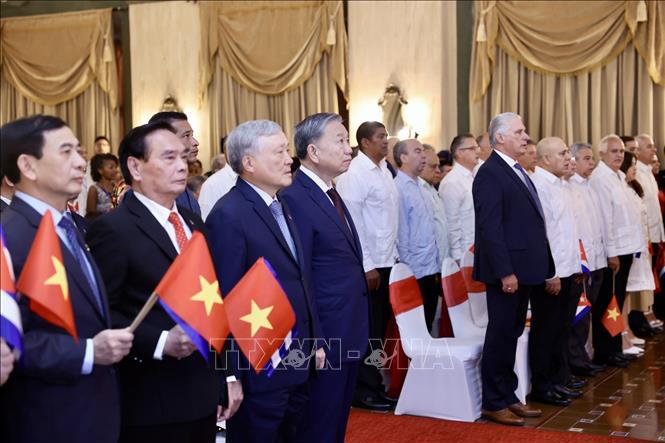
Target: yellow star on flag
[[612, 314], [59, 278], [209, 294], [258, 318]]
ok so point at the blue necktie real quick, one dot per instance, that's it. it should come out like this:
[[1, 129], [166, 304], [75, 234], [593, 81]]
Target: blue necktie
[[77, 250], [531, 188], [278, 213]]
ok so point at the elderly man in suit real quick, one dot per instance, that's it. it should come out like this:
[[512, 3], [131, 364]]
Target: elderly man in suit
[[184, 131], [332, 252], [512, 257], [63, 390], [250, 222], [169, 393]]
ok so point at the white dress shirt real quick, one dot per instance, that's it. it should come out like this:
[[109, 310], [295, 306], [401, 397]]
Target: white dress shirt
[[440, 223], [215, 187], [371, 197], [478, 165], [8, 201], [325, 187], [621, 225], [645, 177], [455, 191], [588, 221], [559, 222], [511, 162], [161, 214]]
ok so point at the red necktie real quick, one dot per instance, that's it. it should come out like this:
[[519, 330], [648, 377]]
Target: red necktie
[[337, 202], [180, 235]]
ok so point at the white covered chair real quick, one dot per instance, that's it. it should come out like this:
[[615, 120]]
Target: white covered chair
[[443, 378], [476, 315]]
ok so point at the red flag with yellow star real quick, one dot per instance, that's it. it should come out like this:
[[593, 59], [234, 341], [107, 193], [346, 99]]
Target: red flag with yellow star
[[260, 316], [44, 279], [612, 320], [189, 292]]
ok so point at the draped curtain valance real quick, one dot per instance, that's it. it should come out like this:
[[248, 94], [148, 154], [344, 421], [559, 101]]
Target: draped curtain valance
[[53, 58], [271, 47], [566, 38]]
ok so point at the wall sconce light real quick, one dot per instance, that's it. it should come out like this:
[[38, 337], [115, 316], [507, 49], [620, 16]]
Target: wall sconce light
[[170, 105]]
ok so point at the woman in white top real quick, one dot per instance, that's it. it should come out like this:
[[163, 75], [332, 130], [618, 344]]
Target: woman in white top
[[640, 284]]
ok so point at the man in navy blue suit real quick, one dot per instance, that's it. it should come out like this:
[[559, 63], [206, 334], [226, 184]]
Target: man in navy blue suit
[[333, 255], [63, 390], [512, 257], [250, 222]]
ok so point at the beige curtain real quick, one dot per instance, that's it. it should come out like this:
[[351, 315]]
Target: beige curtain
[[89, 114], [566, 37], [61, 64], [259, 61], [617, 98], [231, 103]]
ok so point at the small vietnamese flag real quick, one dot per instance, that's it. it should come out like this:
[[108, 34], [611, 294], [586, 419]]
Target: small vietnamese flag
[[260, 317], [612, 320], [189, 292], [44, 279]]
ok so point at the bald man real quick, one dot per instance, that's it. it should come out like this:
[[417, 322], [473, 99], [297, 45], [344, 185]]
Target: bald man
[[553, 312]]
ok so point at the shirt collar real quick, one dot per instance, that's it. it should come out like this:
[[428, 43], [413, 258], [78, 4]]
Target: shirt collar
[[5, 199], [402, 176], [462, 170], [158, 211], [547, 175], [263, 194], [39, 206], [643, 167], [507, 159], [315, 178], [367, 162], [579, 179]]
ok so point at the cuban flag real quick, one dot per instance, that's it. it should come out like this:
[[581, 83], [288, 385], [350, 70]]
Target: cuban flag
[[11, 328], [583, 260], [583, 308]]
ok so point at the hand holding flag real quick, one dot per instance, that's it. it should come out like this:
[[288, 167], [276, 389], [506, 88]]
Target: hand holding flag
[[44, 279]]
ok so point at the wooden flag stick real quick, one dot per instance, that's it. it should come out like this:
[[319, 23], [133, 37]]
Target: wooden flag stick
[[143, 312]]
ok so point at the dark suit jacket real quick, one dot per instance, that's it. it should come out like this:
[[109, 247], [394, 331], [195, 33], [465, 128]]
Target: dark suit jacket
[[47, 398], [188, 201], [242, 229], [3, 205], [510, 232], [133, 252], [334, 258]]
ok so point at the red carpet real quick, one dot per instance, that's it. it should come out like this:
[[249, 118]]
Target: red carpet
[[368, 427]]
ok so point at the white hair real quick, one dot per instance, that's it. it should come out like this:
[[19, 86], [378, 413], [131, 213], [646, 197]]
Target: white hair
[[499, 124], [244, 139], [605, 142]]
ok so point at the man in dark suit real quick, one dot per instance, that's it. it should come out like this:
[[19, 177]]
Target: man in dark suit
[[247, 223], [182, 128], [168, 391], [332, 252], [512, 257], [63, 390]]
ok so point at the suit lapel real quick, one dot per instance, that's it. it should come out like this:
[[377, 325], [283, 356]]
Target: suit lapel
[[72, 267], [326, 206], [264, 213], [151, 227], [516, 179]]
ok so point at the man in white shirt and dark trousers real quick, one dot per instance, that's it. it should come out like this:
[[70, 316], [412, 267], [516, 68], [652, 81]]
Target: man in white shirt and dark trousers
[[589, 228], [369, 192], [553, 311], [416, 236], [623, 237], [455, 191]]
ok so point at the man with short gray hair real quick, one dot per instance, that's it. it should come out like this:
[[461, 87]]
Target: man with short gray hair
[[334, 260], [645, 152], [512, 257], [623, 237], [250, 222]]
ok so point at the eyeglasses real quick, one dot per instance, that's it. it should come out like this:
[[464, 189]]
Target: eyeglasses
[[468, 148]]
